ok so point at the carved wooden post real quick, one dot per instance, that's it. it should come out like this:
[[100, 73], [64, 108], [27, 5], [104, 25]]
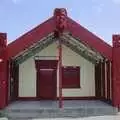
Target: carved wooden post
[[116, 71], [60, 16], [3, 71]]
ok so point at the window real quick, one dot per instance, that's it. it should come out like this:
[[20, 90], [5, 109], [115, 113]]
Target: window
[[71, 77]]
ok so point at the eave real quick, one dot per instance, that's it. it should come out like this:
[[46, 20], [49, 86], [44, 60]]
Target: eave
[[76, 31], [75, 45]]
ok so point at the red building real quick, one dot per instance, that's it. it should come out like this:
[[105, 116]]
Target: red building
[[59, 59]]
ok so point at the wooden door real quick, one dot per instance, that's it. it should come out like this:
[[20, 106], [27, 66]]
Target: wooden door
[[47, 84]]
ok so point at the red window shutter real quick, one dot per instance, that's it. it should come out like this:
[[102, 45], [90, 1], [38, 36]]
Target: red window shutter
[[71, 77]]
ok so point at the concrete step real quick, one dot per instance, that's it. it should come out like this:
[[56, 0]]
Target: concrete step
[[27, 114], [27, 110]]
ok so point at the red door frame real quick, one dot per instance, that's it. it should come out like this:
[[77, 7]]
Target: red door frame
[[45, 64]]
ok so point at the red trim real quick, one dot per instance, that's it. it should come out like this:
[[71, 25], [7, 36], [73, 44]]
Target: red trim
[[60, 74], [103, 78], [30, 38], [14, 74], [44, 64], [3, 84], [8, 78], [98, 79], [64, 98], [28, 98], [47, 27], [116, 71], [83, 98], [16, 84], [69, 81], [108, 80], [89, 38]]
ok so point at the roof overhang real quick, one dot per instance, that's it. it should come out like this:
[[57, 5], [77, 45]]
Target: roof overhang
[[20, 46], [74, 44]]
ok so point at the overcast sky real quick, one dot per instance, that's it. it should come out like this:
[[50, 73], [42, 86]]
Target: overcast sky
[[101, 17]]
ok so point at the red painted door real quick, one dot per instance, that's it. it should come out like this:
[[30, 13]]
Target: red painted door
[[47, 84]]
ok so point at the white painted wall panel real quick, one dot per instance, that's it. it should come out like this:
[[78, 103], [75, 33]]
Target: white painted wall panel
[[27, 74], [27, 79], [87, 80]]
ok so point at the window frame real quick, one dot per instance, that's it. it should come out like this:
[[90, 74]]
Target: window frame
[[67, 85]]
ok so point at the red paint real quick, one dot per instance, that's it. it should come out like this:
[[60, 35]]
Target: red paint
[[3, 84], [28, 98], [46, 64], [60, 74], [71, 77], [47, 27], [47, 84], [116, 71], [60, 16], [98, 79], [89, 38], [64, 98], [36, 34], [3, 41], [3, 72], [84, 98], [46, 79], [14, 76], [103, 79], [31, 37], [108, 80]]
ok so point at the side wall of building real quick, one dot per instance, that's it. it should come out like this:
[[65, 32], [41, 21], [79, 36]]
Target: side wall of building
[[27, 73]]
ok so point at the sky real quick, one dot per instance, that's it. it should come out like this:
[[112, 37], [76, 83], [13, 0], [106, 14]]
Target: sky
[[102, 17]]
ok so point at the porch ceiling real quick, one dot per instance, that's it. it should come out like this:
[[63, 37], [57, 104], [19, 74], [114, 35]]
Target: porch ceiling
[[74, 44]]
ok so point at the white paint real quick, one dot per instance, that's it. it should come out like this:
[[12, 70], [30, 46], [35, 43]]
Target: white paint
[[27, 74], [87, 80], [27, 79]]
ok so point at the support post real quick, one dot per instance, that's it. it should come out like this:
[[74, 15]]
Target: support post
[[60, 75], [60, 15], [108, 80], [116, 71], [3, 71]]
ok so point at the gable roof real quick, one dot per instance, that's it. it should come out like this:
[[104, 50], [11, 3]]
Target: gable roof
[[29, 38], [91, 39], [42, 30]]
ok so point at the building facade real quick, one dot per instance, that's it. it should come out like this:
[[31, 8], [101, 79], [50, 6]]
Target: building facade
[[59, 60]]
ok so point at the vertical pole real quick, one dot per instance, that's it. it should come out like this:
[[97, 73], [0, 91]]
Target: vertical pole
[[108, 80], [60, 75], [103, 79], [3, 71], [60, 15], [116, 71]]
